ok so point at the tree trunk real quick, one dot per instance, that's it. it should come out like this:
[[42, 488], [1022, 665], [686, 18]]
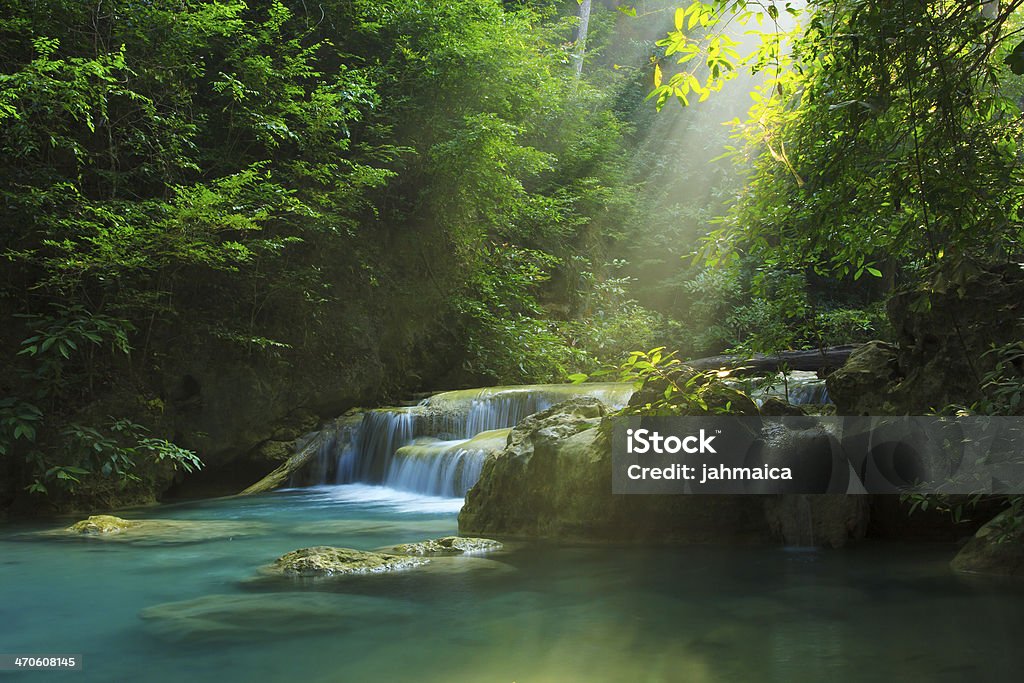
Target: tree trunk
[[581, 36], [831, 358]]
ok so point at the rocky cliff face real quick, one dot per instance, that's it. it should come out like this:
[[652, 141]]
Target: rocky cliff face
[[940, 355], [940, 358]]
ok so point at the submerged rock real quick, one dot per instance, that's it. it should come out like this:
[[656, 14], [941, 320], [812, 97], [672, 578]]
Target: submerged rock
[[997, 549], [818, 520], [243, 618], [328, 561], [449, 545], [153, 531], [447, 565]]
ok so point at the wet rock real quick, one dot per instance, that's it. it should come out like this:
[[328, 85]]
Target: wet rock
[[997, 549], [830, 520], [320, 561], [101, 524], [775, 406], [449, 545], [554, 480], [243, 618]]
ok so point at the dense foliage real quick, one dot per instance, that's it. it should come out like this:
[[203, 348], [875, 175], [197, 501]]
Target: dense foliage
[[881, 149], [298, 188], [233, 174]]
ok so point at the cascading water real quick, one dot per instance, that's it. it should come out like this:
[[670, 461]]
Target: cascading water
[[438, 447], [797, 388], [444, 468]]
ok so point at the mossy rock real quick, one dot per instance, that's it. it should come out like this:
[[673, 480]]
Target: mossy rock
[[448, 545], [997, 549], [777, 407], [102, 524], [323, 561], [865, 385]]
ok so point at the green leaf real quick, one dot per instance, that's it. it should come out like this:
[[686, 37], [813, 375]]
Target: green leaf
[[1015, 60]]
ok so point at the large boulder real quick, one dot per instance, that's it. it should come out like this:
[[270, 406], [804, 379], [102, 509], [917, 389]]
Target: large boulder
[[943, 336], [775, 406], [996, 549], [865, 384], [554, 480]]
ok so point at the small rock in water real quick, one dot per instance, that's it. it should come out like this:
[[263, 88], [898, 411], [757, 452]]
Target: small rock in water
[[101, 524], [327, 561], [449, 545]]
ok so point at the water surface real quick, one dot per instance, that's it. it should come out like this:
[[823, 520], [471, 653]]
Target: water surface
[[879, 612]]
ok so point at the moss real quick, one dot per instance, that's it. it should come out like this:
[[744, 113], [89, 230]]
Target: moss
[[102, 524], [328, 561]]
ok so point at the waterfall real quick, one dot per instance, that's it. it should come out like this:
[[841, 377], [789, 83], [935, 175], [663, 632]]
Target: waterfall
[[463, 414], [803, 388], [443, 468], [438, 447]]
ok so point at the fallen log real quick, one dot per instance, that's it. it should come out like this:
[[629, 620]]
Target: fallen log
[[816, 360], [304, 456]]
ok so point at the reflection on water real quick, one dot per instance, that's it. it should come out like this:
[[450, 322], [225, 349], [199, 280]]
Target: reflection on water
[[184, 611]]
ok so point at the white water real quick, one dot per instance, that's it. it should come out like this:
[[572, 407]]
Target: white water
[[384, 499], [438, 447], [798, 388]]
